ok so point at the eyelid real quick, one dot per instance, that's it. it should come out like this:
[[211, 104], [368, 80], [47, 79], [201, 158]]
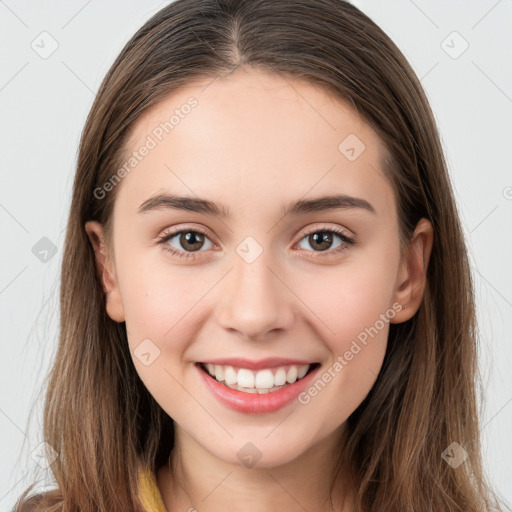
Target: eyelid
[[348, 238], [323, 227], [171, 232]]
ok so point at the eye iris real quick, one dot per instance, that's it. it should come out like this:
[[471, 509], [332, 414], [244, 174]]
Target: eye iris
[[324, 237], [192, 238]]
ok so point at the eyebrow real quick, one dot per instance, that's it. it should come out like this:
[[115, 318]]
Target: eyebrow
[[303, 206]]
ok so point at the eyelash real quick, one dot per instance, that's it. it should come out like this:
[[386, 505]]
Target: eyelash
[[347, 241]]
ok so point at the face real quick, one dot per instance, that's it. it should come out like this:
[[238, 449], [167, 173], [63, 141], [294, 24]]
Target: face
[[251, 272]]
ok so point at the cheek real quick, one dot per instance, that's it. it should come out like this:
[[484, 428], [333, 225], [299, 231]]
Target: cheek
[[351, 297], [161, 309], [355, 312], [354, 304], [158, 296]]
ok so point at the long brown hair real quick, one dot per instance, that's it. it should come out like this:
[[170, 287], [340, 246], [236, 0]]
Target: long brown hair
[[100, 418]]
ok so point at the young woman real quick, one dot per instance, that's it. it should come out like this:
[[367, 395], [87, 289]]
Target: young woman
[[266, 301]]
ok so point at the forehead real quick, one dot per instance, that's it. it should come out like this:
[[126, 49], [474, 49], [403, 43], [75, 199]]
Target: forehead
[[252, 138]]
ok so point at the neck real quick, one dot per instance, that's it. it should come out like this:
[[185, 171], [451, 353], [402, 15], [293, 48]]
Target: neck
[[201, 481]]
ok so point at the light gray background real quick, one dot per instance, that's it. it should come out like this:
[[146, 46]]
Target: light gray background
[[43, 106]]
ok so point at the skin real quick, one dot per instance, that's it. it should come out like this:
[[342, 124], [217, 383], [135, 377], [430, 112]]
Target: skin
[[254, 143]]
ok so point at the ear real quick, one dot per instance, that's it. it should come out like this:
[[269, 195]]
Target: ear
[[106, 271], [412, 275]]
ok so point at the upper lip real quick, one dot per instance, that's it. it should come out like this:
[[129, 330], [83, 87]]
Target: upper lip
[[269, 362]]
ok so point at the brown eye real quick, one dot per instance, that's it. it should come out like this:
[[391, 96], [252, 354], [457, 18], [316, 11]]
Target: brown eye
[[325, 240], [191, 240], [185, 242], [321, 240]]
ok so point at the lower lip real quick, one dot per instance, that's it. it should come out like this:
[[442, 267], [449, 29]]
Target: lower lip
[[254, 403]]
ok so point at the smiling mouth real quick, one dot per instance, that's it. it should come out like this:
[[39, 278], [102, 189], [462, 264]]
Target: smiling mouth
[[267, 380]]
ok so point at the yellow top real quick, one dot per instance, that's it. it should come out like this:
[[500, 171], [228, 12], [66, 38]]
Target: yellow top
[[149, 493]]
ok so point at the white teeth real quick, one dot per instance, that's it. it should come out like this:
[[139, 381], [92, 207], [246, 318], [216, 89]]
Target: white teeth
[[264, 379], [230, 375], [219, 372], [302, 370], [245, 378], [292, 374], [261, 381], [280, 377], [249, 390]]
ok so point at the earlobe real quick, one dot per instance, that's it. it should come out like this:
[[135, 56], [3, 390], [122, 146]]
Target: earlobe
[[412, 276], [106, 271]]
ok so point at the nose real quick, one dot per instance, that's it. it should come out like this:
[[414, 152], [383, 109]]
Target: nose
[[256, 299]]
